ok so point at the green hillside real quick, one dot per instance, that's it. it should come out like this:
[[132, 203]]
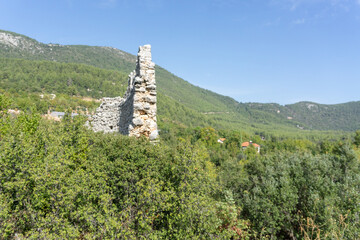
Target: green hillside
[[101, 71], [310, 115], [344, 116], [26, 80], [69, 78], [110, 58], [20, 46]]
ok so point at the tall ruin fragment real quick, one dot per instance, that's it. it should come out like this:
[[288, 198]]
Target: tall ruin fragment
[[135, 113]]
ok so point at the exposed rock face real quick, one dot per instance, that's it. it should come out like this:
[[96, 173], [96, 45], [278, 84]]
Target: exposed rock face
[[135, 113], [9, 39], [19, 42]]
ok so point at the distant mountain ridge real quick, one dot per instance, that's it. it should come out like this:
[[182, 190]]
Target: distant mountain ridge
[[219, 110], [310, 115], [15, 45]]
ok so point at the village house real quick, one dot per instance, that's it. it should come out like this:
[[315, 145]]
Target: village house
[[245, 145]]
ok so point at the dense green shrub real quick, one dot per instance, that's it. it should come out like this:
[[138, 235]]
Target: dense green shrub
[[278, 191], [60, 180]]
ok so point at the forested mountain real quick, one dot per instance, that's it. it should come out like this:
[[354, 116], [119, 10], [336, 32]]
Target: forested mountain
[[101, 71], [310, 115], [344, 116]]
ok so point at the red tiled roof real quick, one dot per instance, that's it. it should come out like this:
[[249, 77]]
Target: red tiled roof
[[246, 144]]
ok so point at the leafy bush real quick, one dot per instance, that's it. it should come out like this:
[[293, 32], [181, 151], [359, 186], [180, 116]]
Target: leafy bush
[[60, 180], [278, 191]]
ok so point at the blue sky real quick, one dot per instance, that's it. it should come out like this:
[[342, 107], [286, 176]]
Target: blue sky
[[281, 51]]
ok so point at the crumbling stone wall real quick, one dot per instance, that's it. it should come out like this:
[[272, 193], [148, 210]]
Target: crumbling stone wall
[[135, 113]]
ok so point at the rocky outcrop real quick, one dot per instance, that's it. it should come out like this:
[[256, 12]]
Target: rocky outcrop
[[11, 41], [135, 113]]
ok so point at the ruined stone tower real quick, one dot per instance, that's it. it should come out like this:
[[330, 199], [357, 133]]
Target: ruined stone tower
[[135, 113]]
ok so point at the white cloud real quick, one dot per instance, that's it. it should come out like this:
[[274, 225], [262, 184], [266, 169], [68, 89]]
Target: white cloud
[[294, 4], [273, 23], [300, 21], [290, 4]]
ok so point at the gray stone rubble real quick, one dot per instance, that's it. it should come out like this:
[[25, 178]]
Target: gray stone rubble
[[135, 113]]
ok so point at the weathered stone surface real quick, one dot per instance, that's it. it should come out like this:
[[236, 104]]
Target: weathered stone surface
[[139, 106], [138, 121], [140, 89], [135, 113], [138, 80], [154, 135], [151, 87], [150, 99]]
